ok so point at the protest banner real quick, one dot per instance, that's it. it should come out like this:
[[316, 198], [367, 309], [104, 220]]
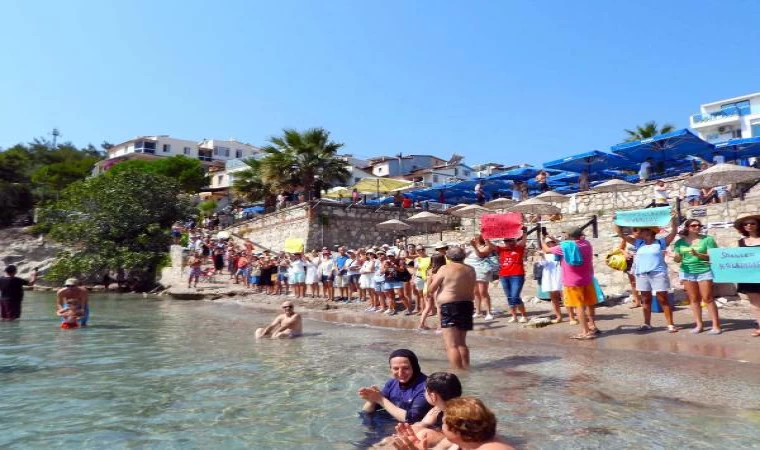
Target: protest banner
[[735, 265], [649, 217], [496, 226], [294, 245]]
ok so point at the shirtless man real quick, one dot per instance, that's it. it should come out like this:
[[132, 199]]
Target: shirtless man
[[454, 283], [286, 325], [195, 262], [73, 298]]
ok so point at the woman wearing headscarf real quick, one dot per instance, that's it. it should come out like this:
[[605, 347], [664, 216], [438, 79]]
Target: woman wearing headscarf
[[403, 396]]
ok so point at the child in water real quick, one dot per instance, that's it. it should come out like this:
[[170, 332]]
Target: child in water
[[70, 314]]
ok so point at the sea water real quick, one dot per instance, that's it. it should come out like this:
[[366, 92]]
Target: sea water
[[152, 373]]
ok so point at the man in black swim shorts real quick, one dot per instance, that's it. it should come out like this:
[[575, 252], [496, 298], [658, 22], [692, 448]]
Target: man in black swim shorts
[[452, 289]]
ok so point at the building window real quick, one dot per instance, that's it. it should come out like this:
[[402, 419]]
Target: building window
[[222, 151], [186, 150], [435, 178], [238, 153], [167, 148], [467, 173], [755, 127], [219, 180], [145, 147], [456, 172]]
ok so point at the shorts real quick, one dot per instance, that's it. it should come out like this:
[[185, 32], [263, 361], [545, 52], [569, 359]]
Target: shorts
[[457, 315], [283, 277], [297, 277], [419, 283], [379, 285], [704, 276], [353, 279], [692, 198], [575, 296], [653, 282], [69, 325], [391, 285], [341, 281], [10, 309], [255, 279], [365, 282], [327, 278], [195, 272]]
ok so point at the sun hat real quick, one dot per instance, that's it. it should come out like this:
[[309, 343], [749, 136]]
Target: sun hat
[[71, 282], [440, 244], [738, 222]]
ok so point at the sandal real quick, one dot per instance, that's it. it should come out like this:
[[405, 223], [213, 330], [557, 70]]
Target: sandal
[[673, 329], [583, 337], [644, 327]]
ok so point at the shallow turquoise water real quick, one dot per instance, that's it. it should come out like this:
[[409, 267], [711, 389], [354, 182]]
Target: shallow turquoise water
[[170, 374]]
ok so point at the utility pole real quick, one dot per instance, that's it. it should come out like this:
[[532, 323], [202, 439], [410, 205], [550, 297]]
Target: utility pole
[[55, 134]]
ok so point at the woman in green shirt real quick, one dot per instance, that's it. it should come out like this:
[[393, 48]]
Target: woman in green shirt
[[696, 275]]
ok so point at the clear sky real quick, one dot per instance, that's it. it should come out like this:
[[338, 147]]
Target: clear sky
[[494, 80]]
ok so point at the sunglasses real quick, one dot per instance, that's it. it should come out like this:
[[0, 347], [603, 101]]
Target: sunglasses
[[695, 225], [749, 223]]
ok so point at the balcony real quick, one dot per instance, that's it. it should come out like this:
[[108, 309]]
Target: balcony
[[729, 112]]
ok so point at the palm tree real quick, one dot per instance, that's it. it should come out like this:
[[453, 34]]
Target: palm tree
[[307, 160], [648, 130], [249, 185]]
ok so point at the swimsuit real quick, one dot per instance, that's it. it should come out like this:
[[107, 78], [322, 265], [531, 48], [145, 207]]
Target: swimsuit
[[457, 315]]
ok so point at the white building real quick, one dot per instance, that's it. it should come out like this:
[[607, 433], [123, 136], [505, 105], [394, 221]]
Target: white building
[[737, 117], [209, 152], [442, 174]]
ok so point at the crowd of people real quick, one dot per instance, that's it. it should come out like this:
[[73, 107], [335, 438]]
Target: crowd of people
[[451, 281]]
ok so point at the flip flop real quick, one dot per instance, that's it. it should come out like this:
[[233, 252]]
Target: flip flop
[[673, 329], [583, 337], [634, 306]]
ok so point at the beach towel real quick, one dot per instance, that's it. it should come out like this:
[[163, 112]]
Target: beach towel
[[571, 253]]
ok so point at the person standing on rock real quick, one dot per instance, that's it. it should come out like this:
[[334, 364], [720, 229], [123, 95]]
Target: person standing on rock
[[12, 293], [454, 285]]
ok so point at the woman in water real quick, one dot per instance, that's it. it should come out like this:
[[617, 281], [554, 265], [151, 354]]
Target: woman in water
[[696, 275], [749, 227], [403, 396]]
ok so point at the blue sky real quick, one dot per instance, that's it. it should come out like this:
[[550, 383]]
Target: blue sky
[[501, 81]]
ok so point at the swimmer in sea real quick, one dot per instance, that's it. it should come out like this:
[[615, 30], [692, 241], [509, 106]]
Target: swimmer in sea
[[74, 298], [286, 325]]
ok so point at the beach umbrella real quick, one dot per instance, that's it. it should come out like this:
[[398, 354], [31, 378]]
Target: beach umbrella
[[614, 186], [552, 197], [722, 175], [535, 206], [665, 148], [456, 207], [338, 192], [500, 203], [734, 149], [592, 161], [471, 211], [392, 225], [375, 185], [426, 218]]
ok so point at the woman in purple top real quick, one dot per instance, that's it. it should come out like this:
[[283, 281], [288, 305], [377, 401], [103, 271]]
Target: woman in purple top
[[403, 396]]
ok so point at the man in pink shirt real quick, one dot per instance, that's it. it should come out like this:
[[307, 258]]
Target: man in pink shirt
[[577, 278]]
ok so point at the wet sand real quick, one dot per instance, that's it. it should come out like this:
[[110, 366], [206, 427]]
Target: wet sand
[[619, 323]]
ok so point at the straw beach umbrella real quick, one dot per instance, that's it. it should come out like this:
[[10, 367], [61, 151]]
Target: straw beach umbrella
[[471, 211], [553, 197], [393, 225], [426, 218], [615, 186], [500, 203], [722, 175], [535, 206]]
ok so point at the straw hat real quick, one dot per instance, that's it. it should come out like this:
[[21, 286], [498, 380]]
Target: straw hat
[[441, 245], [71, 282], [738, 222]]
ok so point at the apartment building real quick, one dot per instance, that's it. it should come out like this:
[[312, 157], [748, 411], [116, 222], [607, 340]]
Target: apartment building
[[208, 151], [721, 120]]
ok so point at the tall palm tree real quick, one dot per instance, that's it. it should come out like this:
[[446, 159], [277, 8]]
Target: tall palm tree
[[648, 130], [250, 186], [307, 159]]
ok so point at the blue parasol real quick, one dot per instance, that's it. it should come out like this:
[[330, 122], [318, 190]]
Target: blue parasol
[[665, 148]]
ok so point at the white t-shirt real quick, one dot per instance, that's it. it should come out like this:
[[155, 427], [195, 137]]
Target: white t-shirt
[[661, 194], [645, 170], [297, 266], [326, 267]]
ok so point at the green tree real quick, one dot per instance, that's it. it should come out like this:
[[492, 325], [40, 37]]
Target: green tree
[[249, 185], [207, 208], [121, 221], [648, 130], [308, 160], [187, 172]]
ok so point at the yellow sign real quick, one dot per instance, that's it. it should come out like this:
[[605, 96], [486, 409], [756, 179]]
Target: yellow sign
[[294, 245]]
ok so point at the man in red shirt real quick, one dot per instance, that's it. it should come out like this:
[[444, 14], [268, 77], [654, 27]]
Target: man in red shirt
[[512, 274]]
